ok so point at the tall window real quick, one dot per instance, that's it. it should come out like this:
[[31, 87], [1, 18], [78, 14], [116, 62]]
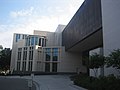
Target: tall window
[[39, 41], [54, 67], [17, 37], [30, 66], [18, 66], [47, 67], [31, 53], [55, 52], [25, 53], [32, 41], [19, 53], [42, 42], [29, 41], [47, 54], [36, 40], [24, 66], [26, 41]]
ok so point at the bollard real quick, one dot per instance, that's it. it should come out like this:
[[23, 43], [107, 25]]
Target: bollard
[[30, 81], [30, 84]]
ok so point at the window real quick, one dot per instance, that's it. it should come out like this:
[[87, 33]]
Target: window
[[17, 37], [18, 66], [47, 67], [42, 42], [47, 54], [31, 53], [39, 41], [55, 54], [30, 66], [54, 67], [36, 40], [19, 53], [29, 41], [26, 41], [32, 41], [23, 36], [24, 66], [25, 53]]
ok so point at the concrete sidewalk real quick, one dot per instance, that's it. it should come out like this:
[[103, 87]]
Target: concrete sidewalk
[[14, 84], [52, 82], [55, 82]]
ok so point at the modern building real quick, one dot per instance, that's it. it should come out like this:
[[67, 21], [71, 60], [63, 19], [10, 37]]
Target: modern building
[[43, 52], [93, 28]]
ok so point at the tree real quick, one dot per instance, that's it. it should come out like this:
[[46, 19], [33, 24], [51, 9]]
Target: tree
[[113, 60], [95, 62], [5, 57]]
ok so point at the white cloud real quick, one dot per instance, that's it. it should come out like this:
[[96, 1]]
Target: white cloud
[[23, 12], [31, 19]]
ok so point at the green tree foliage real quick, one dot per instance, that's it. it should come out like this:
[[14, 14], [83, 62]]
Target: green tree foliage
[[113, 59], [5, 57], [95, 62]]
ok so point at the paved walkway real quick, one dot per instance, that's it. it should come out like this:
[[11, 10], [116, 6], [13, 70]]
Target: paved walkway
[[14, 84], [53, 82]]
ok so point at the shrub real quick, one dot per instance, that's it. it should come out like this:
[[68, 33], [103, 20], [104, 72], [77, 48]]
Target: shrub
[[102, 83]]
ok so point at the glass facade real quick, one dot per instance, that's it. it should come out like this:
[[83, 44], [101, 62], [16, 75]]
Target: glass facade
[[51, 58], [51, 53], [35, 40]]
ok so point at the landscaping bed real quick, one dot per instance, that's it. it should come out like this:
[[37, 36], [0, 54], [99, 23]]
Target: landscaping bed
[[101, 83]]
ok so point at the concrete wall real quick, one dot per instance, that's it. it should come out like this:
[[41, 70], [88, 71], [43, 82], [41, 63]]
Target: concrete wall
[[15, 46], [111, 28], [12, 63], [58, 35], [86, 21], [70, 62]]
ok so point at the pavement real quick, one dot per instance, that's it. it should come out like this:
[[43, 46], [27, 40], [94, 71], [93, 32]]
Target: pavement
[[14, 84], [51, 82]]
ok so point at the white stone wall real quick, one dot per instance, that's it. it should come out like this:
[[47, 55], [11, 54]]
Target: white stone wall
[[111, 28], [70, 62]]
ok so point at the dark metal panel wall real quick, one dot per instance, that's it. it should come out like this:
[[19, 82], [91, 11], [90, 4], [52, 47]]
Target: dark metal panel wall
[[87, 20]]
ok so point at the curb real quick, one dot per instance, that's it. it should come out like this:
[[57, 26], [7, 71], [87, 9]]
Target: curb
[[37, 85], [77, 87]]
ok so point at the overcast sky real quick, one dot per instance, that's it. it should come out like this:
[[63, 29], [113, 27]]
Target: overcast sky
[[24, 16]]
